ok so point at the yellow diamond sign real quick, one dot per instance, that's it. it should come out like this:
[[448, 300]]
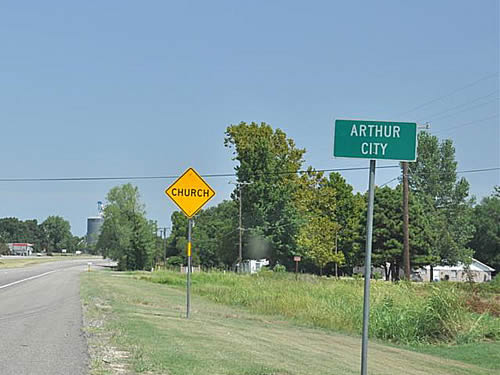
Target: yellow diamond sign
[[190, 192]]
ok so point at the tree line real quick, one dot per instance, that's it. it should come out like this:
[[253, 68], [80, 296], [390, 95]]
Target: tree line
[[290, 210], [52, 235]]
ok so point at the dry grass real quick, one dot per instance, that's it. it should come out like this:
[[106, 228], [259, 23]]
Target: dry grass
[[20, 261], [25, 262]]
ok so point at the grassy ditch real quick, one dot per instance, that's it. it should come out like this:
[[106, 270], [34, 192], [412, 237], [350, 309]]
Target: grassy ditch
[[137, 327], [411, 314]]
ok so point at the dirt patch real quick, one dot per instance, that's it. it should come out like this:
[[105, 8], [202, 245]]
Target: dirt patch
[[105, 359], [116, 360], [483, 305]]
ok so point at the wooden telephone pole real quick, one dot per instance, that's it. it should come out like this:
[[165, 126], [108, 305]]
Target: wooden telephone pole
[[240, 222]]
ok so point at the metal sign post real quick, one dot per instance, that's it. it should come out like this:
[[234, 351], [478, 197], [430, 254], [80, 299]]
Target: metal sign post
[[188, 282], [190, 193], [374, 140], [368, 268]]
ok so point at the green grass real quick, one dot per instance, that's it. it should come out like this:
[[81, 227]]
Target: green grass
[[484, 354], [400, 313], [140, 327]]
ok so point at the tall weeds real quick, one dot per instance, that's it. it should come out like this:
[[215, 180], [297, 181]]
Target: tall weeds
[[405, 313]]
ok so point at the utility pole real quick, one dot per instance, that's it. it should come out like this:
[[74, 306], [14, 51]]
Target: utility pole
[[406, 222], [165, 248], [163, 236], [336, 252], [240, 226], [240, 222]]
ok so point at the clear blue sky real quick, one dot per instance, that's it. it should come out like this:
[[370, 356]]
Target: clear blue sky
[[119, 88]]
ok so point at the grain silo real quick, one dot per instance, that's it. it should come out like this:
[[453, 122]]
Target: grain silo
[[94, 224]]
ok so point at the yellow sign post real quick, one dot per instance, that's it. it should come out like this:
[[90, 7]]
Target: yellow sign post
[[190, 193]]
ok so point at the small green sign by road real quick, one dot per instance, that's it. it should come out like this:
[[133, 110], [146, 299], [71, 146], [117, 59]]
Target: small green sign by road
[[375, 140]]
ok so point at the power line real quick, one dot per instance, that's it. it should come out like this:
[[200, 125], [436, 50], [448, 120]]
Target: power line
[[388, 182], [464, 110], [479, 170], [465, 124], [167, 177], [457, 172], [449, 94], [438, 114], [213, 175], [273, 227], [218, 175]]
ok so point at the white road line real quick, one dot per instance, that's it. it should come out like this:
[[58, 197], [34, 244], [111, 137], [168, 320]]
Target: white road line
[[23, 280]]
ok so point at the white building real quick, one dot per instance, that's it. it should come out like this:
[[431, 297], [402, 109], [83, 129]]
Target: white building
[[478, 272], [24, 249], [253, 265]]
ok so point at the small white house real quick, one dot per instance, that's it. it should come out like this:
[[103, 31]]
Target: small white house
[[253, 265], [478, 272], [17, 248]]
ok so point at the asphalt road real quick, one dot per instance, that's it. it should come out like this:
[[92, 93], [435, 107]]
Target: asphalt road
[[41, 320]]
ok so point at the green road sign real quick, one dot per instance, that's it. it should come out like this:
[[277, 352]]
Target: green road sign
[[375, 140]]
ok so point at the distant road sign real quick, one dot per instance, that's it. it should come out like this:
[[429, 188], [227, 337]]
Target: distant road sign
[[190, 192], [296, 258], [375, 140]]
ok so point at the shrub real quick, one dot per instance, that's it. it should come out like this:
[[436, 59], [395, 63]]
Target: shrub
[[279, 268], [494, 285], [175, 261], [4, 249]]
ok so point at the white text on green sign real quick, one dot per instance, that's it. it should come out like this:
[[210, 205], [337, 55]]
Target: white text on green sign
[[375, 140]]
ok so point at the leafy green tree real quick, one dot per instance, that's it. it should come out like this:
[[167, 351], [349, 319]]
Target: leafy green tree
[[33, 233], [316, 237], [349, 210], [328, 206], [213, 227], [4, 249], [433, 178], [75, 243], [269, 161], [486, 240], [177, 240], [57, 233], [15, 230], [127, 236], [12, 230], [54, 234], [214, 236], [387, 246]]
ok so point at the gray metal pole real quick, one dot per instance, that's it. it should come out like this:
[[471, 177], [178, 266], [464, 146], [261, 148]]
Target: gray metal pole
[[189, 249], [368, 266], [406, 223]]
